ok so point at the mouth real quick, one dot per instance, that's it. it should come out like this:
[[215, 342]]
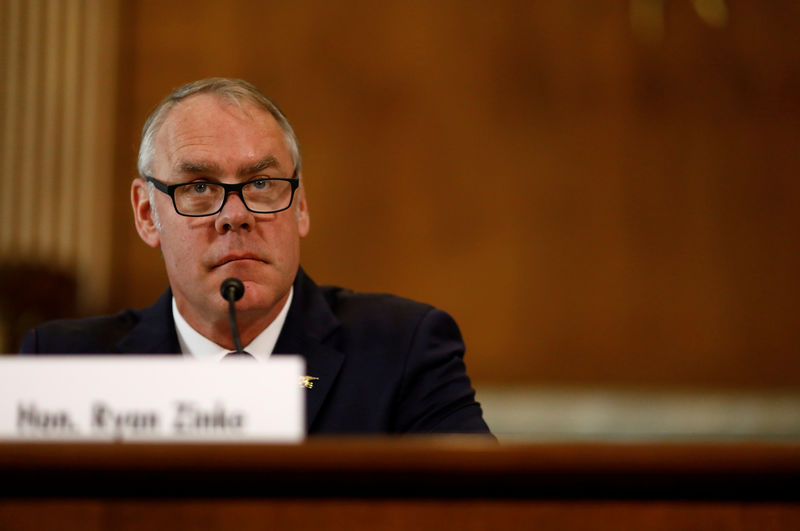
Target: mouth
[[231, 259]]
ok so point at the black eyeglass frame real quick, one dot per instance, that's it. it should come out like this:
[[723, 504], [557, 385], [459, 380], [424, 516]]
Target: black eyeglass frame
[[169, 189]]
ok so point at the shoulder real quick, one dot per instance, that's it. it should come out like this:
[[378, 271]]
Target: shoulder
[[149, 330], [379, 311], [89, 335], [345, 302], [396, 323]]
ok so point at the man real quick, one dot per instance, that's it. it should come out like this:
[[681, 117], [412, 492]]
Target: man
[[220, 193]]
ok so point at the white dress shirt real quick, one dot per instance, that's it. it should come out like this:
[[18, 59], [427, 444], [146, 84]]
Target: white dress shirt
[[195, 345]]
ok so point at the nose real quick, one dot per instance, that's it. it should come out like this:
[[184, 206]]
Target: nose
[[234, 216]]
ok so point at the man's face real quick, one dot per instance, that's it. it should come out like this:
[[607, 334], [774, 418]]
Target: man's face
[[205, 138]]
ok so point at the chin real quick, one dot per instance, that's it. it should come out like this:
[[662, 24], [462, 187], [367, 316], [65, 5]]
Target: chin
[[258, 297]]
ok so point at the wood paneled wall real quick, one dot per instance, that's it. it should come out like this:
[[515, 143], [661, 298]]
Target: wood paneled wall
[[593, 206]]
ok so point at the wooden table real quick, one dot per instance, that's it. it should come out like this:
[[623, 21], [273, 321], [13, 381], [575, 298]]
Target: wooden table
[[400, 483]]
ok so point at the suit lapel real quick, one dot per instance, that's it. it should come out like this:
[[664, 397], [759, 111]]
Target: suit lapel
[[310, 330], [155, 331]]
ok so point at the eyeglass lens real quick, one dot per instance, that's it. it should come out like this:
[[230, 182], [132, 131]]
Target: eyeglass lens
[[264, 195]]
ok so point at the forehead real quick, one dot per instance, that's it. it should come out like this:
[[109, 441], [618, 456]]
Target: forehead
[[207, 127]]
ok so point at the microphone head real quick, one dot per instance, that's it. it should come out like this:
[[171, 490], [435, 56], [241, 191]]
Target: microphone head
[[232, 287]]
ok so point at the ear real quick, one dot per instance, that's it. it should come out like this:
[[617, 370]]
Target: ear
[[303, 219], [143, 214]]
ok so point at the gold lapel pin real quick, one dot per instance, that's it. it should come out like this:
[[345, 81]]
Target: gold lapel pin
[[308, 381]]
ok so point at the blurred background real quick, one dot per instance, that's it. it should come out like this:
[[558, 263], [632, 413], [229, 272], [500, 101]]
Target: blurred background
[[602, 193]]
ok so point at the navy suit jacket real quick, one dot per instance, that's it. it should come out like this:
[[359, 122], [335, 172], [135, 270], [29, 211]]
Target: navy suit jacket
[[385, 364]]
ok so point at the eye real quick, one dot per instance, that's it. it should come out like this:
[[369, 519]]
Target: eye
[[260, 184], [199, 188]]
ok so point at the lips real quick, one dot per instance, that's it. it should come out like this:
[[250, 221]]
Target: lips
[[231, 258]]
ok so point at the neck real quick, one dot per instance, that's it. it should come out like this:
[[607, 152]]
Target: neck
[[217, 327]]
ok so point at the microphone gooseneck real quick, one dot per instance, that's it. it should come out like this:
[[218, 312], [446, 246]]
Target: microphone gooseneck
[[232, 289]]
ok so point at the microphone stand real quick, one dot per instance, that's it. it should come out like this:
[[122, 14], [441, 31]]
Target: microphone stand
[[232, 290]]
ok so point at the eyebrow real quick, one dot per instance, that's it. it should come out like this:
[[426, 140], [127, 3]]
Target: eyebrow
[[199, 168], [213, 169], [258, 166]]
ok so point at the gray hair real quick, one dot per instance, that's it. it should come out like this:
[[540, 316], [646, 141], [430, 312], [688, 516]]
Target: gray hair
[[233, 90]]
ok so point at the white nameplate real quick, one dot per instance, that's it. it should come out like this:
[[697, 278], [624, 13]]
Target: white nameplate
[[151, 398]]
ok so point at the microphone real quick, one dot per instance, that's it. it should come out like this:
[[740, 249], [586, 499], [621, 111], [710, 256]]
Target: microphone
[[232, 290]]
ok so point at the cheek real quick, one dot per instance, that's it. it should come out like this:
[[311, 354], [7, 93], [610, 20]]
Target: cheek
[[279, 233], [288, 241], [179, 249]]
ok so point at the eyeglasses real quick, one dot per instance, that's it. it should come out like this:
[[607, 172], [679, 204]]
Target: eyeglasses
[[264, 195]]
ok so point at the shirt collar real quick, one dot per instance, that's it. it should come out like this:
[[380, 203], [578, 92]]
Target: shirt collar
[[195, 345]]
